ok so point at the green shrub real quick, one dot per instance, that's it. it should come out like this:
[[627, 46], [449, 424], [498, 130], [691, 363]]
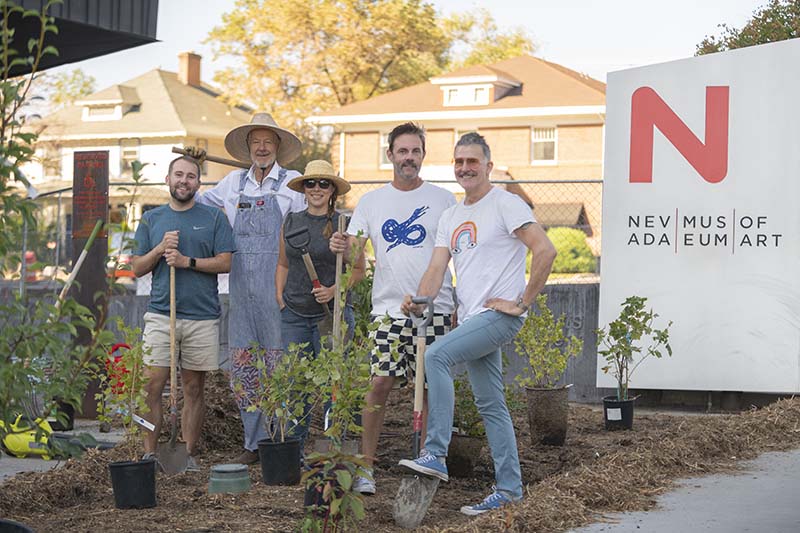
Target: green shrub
[[574, 254]]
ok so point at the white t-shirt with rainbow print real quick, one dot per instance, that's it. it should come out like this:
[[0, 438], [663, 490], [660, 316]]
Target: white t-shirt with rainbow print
[[489, 259]]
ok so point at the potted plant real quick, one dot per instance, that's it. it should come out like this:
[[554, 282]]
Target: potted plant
[[286, 395], [624, 344], [543, 342], [342, 375], [122, 394], [469, 435]]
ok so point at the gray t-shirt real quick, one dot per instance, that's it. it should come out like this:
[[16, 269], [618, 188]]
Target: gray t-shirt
[[204, 232], [297, 292]]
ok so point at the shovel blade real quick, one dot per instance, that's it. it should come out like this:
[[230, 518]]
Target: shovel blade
[[413, 499], [173, 457]]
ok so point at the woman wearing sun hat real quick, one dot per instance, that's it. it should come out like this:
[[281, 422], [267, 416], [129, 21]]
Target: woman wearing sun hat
[[302, 305]]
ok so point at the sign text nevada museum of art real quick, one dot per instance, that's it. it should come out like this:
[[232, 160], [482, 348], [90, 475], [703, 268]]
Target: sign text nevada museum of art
[[701, 214]]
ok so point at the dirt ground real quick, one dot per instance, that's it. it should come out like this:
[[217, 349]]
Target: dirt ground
[[594, 472]]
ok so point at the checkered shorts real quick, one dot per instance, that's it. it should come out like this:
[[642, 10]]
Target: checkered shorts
[[399, 333]]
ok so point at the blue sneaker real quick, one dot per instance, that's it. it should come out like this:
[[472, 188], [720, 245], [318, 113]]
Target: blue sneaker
[[495, 500], [428, 465]]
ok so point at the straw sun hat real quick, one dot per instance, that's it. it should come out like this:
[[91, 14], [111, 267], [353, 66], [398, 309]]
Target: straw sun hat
[[236, 140], [319, 169]]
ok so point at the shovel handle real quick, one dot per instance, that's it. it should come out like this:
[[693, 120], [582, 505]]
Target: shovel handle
[[214, 159], [421, 326], [312, 273], [79, 263], [337, 296], [173, 374]]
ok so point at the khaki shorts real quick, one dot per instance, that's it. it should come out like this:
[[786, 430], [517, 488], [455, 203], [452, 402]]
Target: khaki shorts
[[196, 342]]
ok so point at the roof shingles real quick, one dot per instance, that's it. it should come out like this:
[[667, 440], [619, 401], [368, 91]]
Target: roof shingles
[[544, 84], [167, 106]]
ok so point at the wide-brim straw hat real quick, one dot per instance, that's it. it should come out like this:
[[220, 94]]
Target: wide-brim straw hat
[[319, 169], [236, 140]]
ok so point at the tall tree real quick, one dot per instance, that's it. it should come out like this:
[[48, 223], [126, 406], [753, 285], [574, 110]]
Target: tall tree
[[64, 88], [777, 21], [302, 58], [299, 58], [477, 40]]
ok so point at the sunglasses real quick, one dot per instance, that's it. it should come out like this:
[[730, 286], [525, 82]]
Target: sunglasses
[[310, 183]]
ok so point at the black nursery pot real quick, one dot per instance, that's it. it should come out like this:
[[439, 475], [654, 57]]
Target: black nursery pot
[[618, 414], [280, 461], [134, 484], [313, 495], [9, 526]]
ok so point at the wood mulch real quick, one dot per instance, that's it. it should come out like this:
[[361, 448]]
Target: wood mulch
[[595, 472]]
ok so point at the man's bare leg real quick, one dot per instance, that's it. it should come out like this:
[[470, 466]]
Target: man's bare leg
[[156, 380], [373, 415], [194, 408]]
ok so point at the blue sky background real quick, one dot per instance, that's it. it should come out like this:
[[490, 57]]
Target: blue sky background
[[590, 36]]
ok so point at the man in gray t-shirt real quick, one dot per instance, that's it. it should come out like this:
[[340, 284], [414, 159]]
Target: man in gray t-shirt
[[197, 240]]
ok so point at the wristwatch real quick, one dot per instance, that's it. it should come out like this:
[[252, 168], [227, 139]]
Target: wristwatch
[[192, 263], [519, 303]]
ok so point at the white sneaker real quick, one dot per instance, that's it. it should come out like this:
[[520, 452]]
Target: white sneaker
[[365, 485]]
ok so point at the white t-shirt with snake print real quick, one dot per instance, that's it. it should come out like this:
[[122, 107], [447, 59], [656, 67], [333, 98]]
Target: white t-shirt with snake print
[[402, 228]]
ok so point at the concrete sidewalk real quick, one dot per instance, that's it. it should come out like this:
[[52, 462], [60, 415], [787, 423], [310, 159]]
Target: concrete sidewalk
[[11, 466], [764, 497]]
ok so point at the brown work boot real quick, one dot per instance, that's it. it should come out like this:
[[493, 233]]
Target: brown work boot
[[247, 458]]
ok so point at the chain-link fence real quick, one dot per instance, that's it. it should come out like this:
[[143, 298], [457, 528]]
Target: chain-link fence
[[570, 210]]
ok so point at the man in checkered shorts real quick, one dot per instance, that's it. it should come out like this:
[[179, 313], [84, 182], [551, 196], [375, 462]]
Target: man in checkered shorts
[[400, 219]]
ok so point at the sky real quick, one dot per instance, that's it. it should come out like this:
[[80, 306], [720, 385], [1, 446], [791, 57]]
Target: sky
[[591, 36]]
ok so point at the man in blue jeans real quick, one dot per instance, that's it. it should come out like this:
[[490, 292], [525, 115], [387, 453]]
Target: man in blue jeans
[[487, 235]]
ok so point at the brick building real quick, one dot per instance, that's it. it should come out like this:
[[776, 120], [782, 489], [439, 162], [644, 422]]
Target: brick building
[[543, 121]]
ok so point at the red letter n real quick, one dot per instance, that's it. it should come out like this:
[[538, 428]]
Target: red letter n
[[709, 159]]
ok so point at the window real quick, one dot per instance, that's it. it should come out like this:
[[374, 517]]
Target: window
[[481, 95], [466, 95], [128, 153], [543, 145], [101, 110], [384, 146], [99, 113], [452, 96]]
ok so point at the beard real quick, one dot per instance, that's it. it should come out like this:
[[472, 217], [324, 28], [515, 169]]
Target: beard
[[182, 197], [405, 168]]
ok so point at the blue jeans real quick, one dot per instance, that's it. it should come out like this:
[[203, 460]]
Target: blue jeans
[[297, 329], [476, 343]]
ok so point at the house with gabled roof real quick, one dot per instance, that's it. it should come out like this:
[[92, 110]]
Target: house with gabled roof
[[543, 121], [142, 118]]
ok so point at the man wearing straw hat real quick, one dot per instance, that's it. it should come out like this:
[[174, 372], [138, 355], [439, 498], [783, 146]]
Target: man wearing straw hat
[[256, 201]]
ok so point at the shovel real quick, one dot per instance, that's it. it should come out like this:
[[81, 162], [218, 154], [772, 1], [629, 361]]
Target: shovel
[[337, 315], [416, 492], [174, 459], [299, 239]]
